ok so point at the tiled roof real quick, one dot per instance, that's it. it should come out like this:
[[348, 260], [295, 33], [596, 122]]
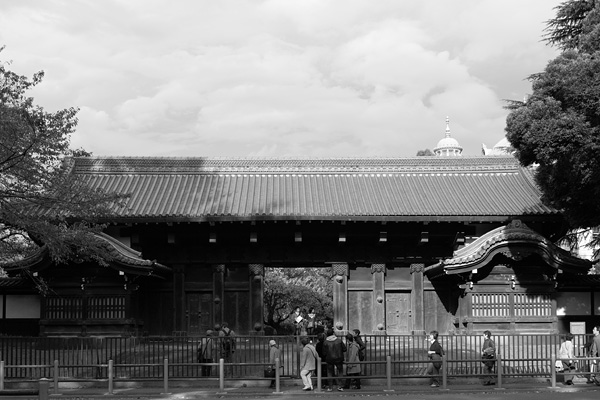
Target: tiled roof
[[122, 258], [515, 241], [418, 188]]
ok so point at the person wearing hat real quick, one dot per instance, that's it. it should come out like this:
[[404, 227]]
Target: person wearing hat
[[205, 352], [274, 353]]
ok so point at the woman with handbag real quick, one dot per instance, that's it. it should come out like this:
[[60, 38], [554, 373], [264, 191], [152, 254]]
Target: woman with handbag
[[565, 355], [435, 354], [488, 356]]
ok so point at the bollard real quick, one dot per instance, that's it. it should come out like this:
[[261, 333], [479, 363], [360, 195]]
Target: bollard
[[444, 369], [221, 376], [110, 376], [499, 371], [55, 377], [277, 376], [44, 386], [1, 375], [388, 373], [553, 369], [319, 374], [165, 376]]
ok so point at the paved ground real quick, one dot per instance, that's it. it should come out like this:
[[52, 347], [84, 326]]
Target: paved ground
[[536, 390]]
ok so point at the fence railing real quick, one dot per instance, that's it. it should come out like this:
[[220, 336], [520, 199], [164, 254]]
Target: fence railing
[[141, 358], [166, 368]]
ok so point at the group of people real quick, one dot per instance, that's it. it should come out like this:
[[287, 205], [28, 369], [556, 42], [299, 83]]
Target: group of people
[[336, 353], [305, 323], [566, 362], [209, 349]]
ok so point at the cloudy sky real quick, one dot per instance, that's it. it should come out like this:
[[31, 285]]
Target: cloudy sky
[[278, 78]]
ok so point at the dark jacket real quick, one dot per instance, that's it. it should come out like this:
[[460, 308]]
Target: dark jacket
[[333, 350]]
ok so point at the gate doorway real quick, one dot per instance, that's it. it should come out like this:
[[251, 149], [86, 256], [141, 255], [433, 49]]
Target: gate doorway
[[398, 313], [198, 312]]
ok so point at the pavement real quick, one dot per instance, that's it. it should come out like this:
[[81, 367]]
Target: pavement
[[190, 390]]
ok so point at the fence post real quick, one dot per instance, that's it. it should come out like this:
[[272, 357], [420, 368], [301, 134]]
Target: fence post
[[2, 375], [388, 373], [277, 375], [319, 373], [553, 369], [55, 377], [43, 387], [110, 376], [444, 373], [499, 371], [165, 376], [221, 376]]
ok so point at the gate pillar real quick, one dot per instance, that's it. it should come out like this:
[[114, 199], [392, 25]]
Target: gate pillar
[[218, 292], [340, 296], [416, 272], [256, 276], [378, 272]]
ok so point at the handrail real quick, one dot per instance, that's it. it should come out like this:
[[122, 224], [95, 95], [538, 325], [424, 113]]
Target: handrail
[[389, 376]]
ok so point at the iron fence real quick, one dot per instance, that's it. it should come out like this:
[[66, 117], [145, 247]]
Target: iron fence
[[140, 358]]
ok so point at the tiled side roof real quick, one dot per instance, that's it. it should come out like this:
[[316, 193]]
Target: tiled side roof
[[402, 189]]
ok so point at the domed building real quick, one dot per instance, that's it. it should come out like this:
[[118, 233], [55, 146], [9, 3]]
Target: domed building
[[448, 146], [502, 148]]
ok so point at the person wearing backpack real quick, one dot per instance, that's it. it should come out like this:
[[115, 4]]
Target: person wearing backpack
[[205, 352], [227, 343]]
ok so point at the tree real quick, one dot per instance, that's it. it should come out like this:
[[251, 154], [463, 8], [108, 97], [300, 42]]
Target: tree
[[288, 288], [425, 152], [40, 203], [557, 129]]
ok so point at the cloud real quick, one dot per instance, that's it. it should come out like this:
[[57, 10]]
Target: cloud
[[278, 77]]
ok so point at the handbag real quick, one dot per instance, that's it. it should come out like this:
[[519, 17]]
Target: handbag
[[269, 372]]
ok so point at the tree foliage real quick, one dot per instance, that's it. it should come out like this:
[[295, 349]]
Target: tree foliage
[[288, 288], [425, 152], [40, 204], [557, 129]]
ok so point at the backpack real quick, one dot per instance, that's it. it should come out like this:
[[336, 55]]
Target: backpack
[[227, 341]]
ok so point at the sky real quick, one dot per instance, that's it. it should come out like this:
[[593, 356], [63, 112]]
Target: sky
[[278, 78]]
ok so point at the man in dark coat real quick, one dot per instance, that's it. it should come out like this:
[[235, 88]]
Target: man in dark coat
[[334, 349]]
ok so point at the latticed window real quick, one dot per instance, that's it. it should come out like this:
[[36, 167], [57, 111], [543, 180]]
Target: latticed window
[[490, 304], [511, 305], [533, 305], [85, 307]]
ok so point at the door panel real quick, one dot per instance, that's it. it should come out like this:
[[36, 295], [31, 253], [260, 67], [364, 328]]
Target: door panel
[[398, 313], [198, 313]]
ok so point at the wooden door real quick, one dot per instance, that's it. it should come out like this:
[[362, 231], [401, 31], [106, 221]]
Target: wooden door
[[198, 313], [398, 318]]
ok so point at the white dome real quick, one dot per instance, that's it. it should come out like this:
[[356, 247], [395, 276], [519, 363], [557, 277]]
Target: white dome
[[448, 146], [448, 142]]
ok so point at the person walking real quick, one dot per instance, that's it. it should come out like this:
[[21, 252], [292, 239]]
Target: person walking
[[352, 366], [274, 354], [308, 363], [488, 356], [205, 352], [565, 354], [435, 355], [595, 352], [333, 350]]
